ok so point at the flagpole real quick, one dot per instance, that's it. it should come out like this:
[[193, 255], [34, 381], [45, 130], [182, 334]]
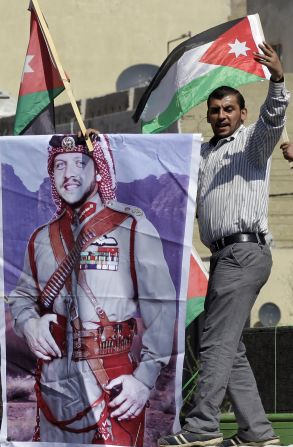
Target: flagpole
[[63, 76], [285, 139]]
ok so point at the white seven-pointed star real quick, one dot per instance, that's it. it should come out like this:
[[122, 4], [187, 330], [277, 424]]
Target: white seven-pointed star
[[27, 68], [239, 48]]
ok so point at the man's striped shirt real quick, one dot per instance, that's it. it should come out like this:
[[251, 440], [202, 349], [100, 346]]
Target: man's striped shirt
[[233, 177]]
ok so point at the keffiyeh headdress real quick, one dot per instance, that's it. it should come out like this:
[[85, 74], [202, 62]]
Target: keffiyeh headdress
[[101, 155]]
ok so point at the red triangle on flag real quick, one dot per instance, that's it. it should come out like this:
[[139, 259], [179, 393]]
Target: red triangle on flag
[[198, 280], [235, 49], [39, 72]]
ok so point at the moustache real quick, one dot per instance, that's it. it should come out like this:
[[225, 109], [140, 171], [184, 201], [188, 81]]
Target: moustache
[[72, 181]]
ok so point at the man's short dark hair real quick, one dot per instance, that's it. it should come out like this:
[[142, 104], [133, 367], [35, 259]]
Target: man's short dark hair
[[221, 92]]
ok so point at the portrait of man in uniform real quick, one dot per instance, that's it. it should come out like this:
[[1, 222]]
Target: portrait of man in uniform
[[87, 275]]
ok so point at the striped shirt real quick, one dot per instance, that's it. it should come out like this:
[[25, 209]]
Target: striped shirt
[[233, 179]]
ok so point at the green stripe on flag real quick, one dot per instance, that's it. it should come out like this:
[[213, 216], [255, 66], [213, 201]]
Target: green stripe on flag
[[195, 306], [195, 92], [31, 105]]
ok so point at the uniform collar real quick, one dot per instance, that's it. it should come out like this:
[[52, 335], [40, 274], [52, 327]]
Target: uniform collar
[[87, 209]]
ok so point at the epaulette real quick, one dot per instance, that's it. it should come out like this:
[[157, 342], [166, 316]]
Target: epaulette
[[133, 211]]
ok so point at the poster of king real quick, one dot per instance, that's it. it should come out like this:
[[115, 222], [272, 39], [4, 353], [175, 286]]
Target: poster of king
[[95, 257]]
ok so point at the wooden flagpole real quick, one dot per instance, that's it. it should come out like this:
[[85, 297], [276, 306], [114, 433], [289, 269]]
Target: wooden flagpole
[[63, 76]]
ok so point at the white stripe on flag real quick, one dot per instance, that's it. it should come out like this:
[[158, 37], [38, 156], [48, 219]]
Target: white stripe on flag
[[258, 37], [181, 73]]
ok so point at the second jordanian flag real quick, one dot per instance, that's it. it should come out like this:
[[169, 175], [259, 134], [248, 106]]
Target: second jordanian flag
[[222, 55]]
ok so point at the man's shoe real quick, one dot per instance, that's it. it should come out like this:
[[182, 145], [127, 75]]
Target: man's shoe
[[189, 439], [236, 441]]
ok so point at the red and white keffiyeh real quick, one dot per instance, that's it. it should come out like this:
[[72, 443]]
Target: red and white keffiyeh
[[101, 155]]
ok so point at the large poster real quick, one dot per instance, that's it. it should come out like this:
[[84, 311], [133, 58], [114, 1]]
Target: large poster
[[95, 251]]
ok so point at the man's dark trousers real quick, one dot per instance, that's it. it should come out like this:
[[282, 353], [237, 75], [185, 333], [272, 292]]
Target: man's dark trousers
[[237, 273]]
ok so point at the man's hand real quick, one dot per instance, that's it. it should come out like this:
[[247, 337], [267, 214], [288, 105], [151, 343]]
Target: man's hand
[[287, 149], [270, 59], [39, 338], [88, 133], [131, 400]]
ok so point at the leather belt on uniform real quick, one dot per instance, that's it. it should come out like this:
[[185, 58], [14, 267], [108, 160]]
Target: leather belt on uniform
[[92, 344], [236, 238]]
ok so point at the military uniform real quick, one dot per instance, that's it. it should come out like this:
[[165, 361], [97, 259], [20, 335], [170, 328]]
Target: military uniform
[[124, 272]]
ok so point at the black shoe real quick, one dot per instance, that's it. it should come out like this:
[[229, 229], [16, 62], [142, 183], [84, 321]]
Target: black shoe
[[188, 439], [236, 441]]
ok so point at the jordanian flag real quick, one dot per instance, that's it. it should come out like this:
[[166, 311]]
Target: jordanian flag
[[222, 55], [197, 288], [40, 82]]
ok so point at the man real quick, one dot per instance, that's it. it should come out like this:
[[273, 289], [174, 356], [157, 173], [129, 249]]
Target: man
[[232, 206], [86, 275]]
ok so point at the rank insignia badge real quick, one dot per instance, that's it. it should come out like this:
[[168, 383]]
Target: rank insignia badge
[[103, 258]]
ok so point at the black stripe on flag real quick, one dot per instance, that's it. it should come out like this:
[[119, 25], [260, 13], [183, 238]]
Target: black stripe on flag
[[43, 123], [196, 41]]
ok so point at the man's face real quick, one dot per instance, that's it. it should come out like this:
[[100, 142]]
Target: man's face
[[74, 176], [225, 116]]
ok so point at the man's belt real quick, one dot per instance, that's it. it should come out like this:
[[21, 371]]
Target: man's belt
[[258, 238], [91, 344]]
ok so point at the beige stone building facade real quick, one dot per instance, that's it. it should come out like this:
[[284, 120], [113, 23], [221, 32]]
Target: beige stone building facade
[[98, 39]]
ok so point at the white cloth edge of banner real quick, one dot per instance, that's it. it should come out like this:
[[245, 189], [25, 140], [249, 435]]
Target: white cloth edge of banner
[[187, 251], [3, 433]]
